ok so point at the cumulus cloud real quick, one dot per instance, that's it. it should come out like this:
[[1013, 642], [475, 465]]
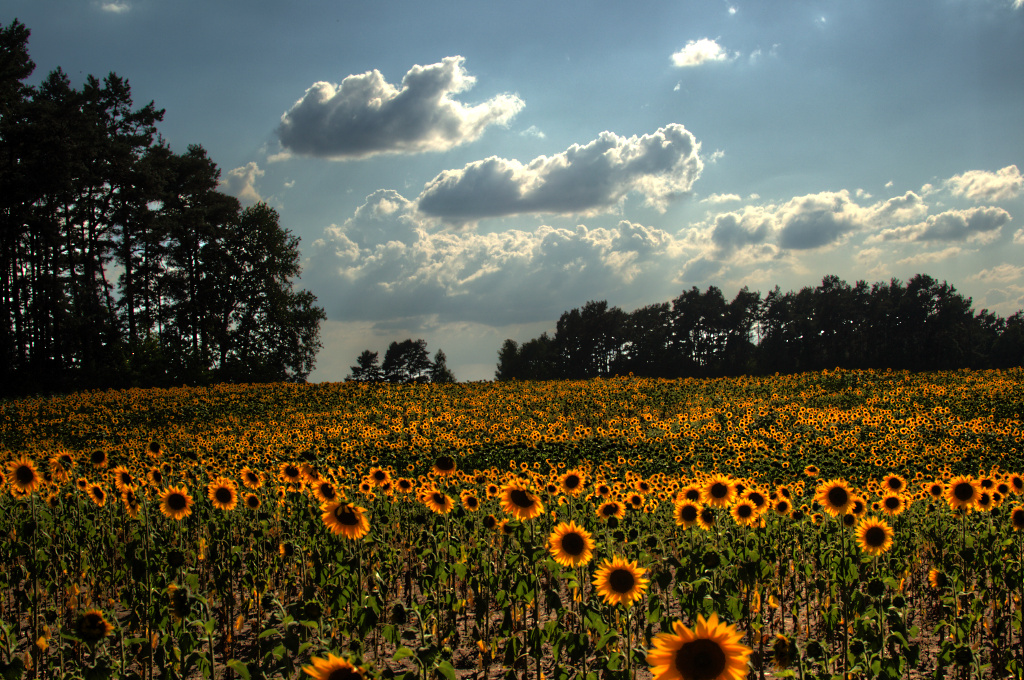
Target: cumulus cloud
[[581, 180], [241, 183], [721, 198], [699, 52], [817, 220], [953, 225], [734, 230], [981, 185], [929, 257], [1001, 272], [385, 263], [366, 115]]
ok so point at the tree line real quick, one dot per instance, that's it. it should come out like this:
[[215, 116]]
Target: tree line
[[404, 362], [121, 264], [920, 325]]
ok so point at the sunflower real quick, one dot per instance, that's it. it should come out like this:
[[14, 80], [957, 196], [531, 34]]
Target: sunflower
[[332, 668], [893, 504], [874, 536], [444, 466], [570, 545], [469, 500], [620, 582], [290, 473], [437, 501], [1017, 483], [23, 474], [122, 478], [782, 507], [251, 480], [690, 493], [744, 513], [519, 502], [894, 483], [404, 485], [132, 503], [98, 458], [962, 493], [379, 475], [252, 501], [325, 491], [611, 508], [706, 519], [835, 497], [222, 493], [783, 651], [175, 503], [718, 491], [155, 477], [686, 514], [938, 579], [811, 470], [757, 498], [711, 651], [572, 482], [97, 494], [985, 501], [92, 626], [346, 519], [1017, 518], [935, 489], [489, 522]]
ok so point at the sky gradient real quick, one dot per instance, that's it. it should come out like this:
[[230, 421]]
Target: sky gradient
[[464, 172]]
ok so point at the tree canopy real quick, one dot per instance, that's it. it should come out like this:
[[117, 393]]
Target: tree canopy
[[121, 264]]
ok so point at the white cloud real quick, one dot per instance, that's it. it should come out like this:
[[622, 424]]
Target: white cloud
[[581, 180], [699, 52], [1001, 272], [1018, 237], [115, 7], [931, 256], [981, 185], [721, 198], [365, 115], [533, 131], [241, 183], [974, 224]]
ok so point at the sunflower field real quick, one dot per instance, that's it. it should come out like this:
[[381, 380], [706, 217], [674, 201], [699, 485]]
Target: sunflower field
[[830, 525]]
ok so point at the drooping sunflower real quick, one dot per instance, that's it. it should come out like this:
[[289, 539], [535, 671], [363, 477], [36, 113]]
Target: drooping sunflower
[[222, 493], [332, 668], [893, 504], [437, 501], [346, 519], [572, 482], [744, 513], [1017, 518], [783, 651], [711, 651], [132, 502], [611, 508], [718, 491], [175, 503], [620, 581], [686, 514], [444, 466], [962, 493], [520, 502], [874, 536], [570, 545], [835, 497], [23, 475], [938, 579], [92, 626]]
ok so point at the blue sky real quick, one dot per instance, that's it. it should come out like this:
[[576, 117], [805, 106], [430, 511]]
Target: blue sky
[[463, 172]]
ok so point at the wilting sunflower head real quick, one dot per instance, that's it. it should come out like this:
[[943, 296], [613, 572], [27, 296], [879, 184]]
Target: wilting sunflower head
[[783, 651], [92, 626], [620, 581], [710, 651], [570, 545], [520, 502], [332, 667], [938, 579]]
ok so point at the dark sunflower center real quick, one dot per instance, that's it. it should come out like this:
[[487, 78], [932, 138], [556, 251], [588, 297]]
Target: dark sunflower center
[[252, 501], [692, 495], [838, 497], [963, 491], [875, 537], [25, 474], [849, 519], [176, 501], [521, 499], [342, 674], [291, 471], [892, 502], [223, 494], [97, 492], [345, 515], [445, 463], [573, 544], [707, 515], [126, 479], [719, 490], [745, 511], [700, 659], [471, 501], [783, 506], [572, 481], [895, 484], [251, 477], [379, 475], [1018, 518], [98, 457], [327, 491], [757, 499], [688, 513], [609, 509], [157, 477], [438, 498], [621, 580]]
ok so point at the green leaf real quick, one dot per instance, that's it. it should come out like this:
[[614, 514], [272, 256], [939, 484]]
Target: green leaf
[[238, 667], [446, 670], [402, 653]]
